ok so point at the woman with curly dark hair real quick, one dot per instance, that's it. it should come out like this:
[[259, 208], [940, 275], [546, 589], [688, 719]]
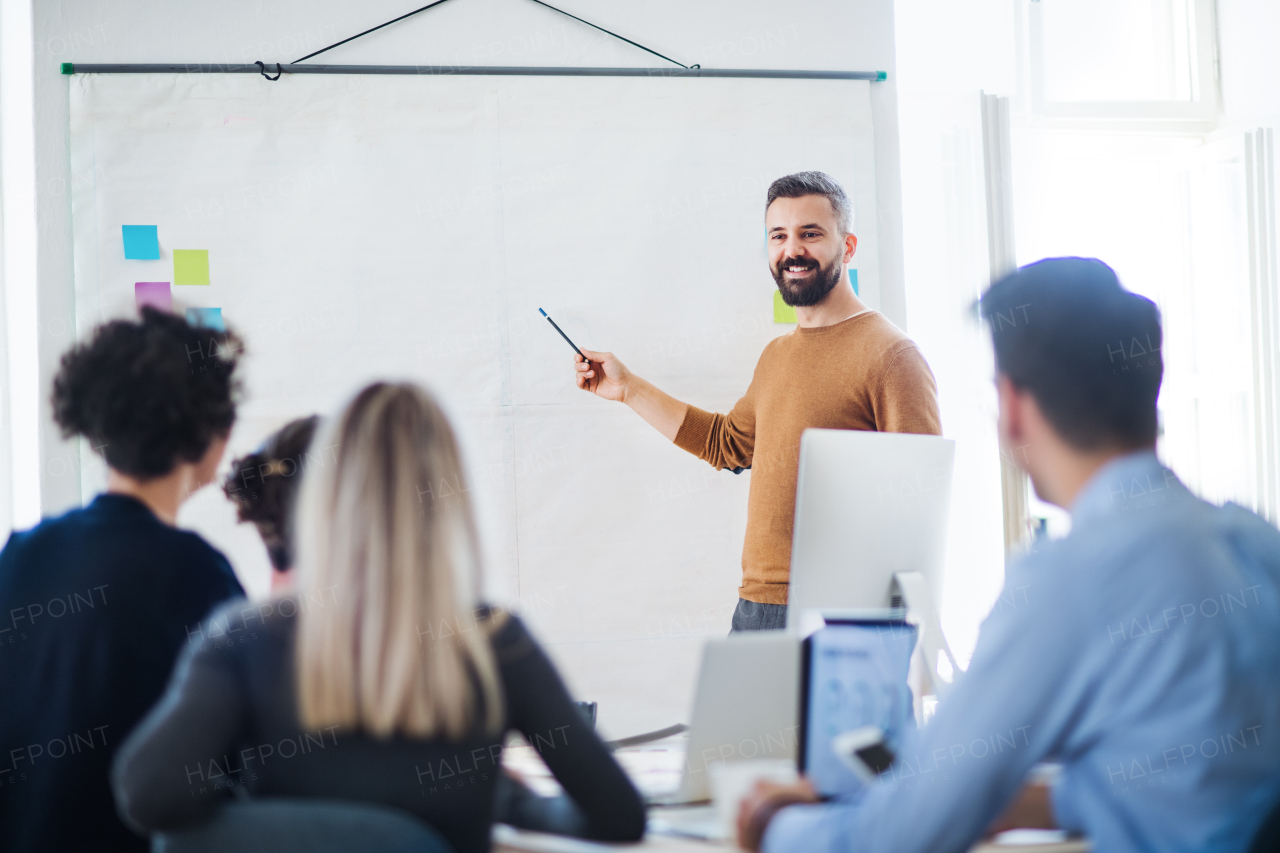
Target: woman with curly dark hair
[[264, 488], [96, 603]]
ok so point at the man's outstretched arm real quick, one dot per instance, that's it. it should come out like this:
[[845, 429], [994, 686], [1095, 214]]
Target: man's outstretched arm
[[724, 441], [605, 376]]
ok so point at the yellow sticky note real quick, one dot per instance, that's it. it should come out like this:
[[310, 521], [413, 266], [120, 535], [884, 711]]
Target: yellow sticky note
[[782, 312], [190, 266]]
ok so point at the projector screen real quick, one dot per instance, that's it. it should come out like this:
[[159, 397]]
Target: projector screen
[[366, 227]]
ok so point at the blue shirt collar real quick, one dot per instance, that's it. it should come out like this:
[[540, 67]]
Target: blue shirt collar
[[1124, 484]]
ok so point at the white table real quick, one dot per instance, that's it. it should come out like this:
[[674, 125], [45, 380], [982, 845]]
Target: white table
[[654, 768], [508, 840]]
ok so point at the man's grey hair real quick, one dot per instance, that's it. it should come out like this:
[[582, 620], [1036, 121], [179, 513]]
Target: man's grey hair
[[814, 183]]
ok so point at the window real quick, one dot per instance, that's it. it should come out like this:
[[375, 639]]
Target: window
[[1191, 225], [1207, 402], [1113, 159], [1132, 60]]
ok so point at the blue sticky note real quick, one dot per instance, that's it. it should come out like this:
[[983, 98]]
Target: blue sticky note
[[853, 279], [141, 243], [210, 318]]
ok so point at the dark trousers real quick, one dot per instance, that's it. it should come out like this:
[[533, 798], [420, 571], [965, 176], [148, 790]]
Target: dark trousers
[[754, 616]]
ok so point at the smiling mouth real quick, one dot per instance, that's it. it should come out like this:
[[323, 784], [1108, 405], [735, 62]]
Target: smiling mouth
[[794, 270]]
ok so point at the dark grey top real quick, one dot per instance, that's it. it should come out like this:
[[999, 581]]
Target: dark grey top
[[95, 607], [229, 721]]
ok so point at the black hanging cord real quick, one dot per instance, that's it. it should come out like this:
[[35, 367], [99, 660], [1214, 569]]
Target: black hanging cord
[[615, 35], [438, 2], [366, 32], [262, 69]]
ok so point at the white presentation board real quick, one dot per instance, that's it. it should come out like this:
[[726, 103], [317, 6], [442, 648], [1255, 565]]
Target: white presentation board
[[364, 227]]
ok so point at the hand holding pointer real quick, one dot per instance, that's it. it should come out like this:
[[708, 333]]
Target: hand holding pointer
[[604, 375], [597, 372]]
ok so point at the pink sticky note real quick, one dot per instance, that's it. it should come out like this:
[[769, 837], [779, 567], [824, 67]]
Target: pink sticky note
[[153, 293]]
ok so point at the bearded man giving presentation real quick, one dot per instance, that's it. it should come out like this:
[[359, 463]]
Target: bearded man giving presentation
[[843, 367]]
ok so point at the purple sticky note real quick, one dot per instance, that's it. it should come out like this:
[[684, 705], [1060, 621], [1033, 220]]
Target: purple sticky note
[[153, 293]]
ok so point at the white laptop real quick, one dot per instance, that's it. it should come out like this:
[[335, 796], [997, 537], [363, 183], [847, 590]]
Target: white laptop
[[746, 706]]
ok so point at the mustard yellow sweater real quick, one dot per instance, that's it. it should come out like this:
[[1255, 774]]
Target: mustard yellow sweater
[[863, 373]]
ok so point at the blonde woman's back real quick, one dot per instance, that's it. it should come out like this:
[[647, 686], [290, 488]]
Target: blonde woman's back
[[384, 679]]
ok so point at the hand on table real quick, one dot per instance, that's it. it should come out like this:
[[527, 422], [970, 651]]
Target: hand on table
[[1032, 808], [764, 801], [604, 375]]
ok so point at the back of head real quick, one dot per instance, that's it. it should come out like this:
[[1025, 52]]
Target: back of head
[[149, 393], [387, 556], [1086, 349], [264, 486]]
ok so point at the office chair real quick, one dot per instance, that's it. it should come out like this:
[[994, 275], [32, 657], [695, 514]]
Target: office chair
[[282, 825]]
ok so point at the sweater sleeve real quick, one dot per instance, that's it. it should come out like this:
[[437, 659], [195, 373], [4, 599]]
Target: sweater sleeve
[[905, 396], [725, 441], [168, 771], [540, 708]]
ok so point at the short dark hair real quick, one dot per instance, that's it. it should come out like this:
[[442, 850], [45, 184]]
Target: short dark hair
[[264, 486], [149, 393], [1086, 349], [813, 183]]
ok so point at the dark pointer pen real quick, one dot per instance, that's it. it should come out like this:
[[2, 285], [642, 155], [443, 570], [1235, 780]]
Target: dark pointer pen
[[563, 335]]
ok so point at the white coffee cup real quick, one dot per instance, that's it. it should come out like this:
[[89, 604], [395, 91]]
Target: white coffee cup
[[732, 781]]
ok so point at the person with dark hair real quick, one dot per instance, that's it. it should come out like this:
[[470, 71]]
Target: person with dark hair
[[96, 604], [1136, 652], [264, 488], [843, 367], [1096, 380]]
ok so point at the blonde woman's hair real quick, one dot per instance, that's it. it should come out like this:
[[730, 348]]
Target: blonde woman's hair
[[386, 528]]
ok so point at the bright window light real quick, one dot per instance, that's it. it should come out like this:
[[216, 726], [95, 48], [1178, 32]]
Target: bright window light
[[1167, 214], [1117, 50]]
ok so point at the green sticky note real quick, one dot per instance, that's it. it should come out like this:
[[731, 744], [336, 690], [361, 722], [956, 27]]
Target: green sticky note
[[782, 312], [190, 266]]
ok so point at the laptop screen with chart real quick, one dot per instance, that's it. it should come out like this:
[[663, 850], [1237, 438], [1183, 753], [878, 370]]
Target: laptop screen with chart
[[855, 675]]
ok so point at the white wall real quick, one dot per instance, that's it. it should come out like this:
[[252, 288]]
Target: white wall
[[1249, 64], [819, 34], [947, 53], [19, 419]]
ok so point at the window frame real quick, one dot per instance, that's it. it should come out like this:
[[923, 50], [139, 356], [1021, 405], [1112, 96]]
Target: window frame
[[1195, 115]]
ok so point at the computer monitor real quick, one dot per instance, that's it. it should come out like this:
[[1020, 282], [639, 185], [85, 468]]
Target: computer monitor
[[868, 506]]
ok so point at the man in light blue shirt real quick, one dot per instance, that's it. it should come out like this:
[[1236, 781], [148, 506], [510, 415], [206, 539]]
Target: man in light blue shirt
[[1141, 652]]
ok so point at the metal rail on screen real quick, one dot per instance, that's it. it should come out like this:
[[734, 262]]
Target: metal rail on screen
[[464, 70]]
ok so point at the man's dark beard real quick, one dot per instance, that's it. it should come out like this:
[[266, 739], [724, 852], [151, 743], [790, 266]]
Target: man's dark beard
[[808, 294]]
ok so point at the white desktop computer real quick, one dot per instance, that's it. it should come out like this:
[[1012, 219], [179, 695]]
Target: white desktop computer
[[871, 522], [870, 530]]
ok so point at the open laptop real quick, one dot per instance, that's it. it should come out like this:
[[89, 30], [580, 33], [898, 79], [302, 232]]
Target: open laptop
[[746, 706]]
